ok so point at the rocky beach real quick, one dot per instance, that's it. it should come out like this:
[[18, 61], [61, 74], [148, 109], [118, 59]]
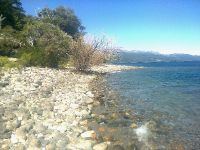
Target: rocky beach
[[42, 108]]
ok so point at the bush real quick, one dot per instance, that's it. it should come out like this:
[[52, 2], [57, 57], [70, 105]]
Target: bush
[[5, 62], [46, 44], [92, 52], [9, 41]]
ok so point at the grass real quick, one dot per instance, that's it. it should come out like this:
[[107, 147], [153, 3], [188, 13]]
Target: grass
[[7, 63]]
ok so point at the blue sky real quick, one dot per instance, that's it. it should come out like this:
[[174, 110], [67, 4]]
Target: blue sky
[[165, 26]]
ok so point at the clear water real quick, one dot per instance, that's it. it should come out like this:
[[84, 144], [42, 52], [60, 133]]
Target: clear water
[[166, 93]]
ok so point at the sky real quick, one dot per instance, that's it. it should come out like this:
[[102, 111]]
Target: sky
[[165, 26]]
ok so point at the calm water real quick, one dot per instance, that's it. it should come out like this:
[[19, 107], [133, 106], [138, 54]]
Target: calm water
[[167, 94]]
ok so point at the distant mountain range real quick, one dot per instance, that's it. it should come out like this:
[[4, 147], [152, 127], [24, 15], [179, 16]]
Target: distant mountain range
[[141, 56]]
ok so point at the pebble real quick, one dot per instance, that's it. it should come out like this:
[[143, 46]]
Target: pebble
[[36, 102], [101, 146], [89, 134]]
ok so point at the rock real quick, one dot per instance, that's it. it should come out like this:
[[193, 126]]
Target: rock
[[86, 144], [9, 116], [133, 125], [101, 129], [89, 101], [28, 125], [61, 144], [23, 114], [84, 113], [89, 94], [89, 134], [5, 145], [20, 134], [40, 128], [9, 126], [19, 146], [33, 142], [108, 138], [50, 146], [16, 123], [101, 146], [62, 127], [13, 139], [84, 122], [74, 106]]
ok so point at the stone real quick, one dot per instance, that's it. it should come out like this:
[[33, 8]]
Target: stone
[[84, 113], [84, 122], [9, 116], [23, 114], [50, 146], [40, 128], [133, 125], [74, 106], [19, 146], [62, 127], [5, 144], [13, 139], [89, 101], [61, 144], [89, 134], [89, 94], [86, 144], [20, 134], [28, 126], [101, 146], [33, 141], [16, 123]]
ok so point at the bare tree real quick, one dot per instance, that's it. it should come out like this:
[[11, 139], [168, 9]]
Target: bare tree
[[91, 51]]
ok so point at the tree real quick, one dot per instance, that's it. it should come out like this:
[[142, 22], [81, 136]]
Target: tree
[[64, 18], [13, 13], [1, 20], [52, 43]]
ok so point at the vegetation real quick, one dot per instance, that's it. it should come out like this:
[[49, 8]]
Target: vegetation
[[53, 37], [12, 14], [87, 53], [64, 18]]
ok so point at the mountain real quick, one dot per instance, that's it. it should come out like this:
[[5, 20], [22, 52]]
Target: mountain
[[141, 56]]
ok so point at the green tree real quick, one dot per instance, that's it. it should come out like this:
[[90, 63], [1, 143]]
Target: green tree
[[64, 18], [13, 13], [46, 42]]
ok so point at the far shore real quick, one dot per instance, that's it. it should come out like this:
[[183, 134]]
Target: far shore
[[47, 108]]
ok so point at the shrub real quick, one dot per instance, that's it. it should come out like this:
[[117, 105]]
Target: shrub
[[9, 41], [87, 53], [5, 62], [46, 44]]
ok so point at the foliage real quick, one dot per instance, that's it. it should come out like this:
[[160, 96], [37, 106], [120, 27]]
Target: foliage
[[9, 41], [64, 18], [5, 62], [47, 43], [13, 14], [52, 38], [92, 52]]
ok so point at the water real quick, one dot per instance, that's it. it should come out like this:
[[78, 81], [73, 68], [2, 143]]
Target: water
[[167, 94]]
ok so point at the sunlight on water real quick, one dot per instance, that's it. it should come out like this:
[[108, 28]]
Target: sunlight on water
[[166, 96], [142, 133]]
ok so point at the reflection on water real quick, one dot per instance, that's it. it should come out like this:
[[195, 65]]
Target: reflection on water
[[168, 96]]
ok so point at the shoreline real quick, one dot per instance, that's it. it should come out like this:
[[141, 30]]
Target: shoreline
[[48, 108]]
